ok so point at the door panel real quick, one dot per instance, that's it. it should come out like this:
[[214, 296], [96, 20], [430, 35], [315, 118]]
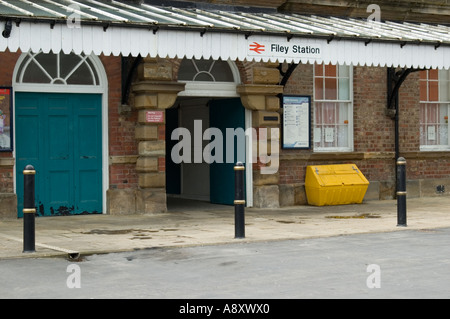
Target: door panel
[[60, 135], [58, 147], [88, 154], [226, 113], [173, 170]]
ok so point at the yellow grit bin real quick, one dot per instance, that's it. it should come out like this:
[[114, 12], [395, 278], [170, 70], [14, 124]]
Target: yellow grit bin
[[337, 184]]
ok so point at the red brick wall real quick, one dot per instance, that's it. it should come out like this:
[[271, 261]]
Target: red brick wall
[[7, 63], [121, 126], [409, 130], [374, 137], [372, 128]]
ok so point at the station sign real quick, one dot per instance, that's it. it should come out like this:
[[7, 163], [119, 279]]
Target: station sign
[[284, 49]]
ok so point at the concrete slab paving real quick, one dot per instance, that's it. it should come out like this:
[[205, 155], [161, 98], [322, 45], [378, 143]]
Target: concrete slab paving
[[209, 225]]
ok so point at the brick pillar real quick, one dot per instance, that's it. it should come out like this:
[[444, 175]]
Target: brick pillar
[[262, 98], [153, 93]]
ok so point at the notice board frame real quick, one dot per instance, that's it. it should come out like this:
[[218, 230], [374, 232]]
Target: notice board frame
[[6, 121], [296, 132]]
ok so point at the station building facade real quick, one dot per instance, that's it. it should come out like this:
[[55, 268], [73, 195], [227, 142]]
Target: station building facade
[[99, 128]]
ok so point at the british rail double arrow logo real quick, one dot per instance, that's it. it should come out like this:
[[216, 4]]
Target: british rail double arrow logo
[[258, 48]]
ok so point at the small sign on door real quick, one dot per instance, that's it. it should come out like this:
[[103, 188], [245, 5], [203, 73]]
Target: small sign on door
[[154, 116]]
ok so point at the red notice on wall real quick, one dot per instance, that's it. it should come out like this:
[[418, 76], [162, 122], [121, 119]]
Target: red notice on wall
[[154, 116]]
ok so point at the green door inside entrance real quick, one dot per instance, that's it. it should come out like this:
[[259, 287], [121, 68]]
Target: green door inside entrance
[[61, 136], [226, 114]]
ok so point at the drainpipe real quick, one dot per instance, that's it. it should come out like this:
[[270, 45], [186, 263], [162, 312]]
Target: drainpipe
[[397, 146], [395, 80]]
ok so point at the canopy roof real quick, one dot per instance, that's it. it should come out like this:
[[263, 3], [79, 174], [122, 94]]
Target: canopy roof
[[212, 31]]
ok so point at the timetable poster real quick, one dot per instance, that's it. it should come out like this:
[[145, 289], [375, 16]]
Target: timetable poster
[[5, 119], [296, 121]]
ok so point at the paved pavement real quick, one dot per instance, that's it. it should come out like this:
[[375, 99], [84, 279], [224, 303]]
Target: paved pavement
[[200, 224]]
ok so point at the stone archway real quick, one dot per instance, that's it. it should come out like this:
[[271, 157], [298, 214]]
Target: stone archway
[[156, 90]]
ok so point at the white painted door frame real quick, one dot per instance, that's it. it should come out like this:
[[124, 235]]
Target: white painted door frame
[[227, 89]]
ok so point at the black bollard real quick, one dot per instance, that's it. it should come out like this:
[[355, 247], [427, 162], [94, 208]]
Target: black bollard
[[29, 209], [401, 192], [239, 201]]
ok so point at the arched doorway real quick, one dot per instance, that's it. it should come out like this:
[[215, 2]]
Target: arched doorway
[[209, 101], [60, 114]]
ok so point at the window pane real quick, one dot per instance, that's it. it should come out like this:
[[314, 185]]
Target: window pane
[[204, 65], [444, 91], [344, 89], [342, 113], [330, 70], [97, 80], [318, 88], [318, 69], [318, 113], [443, 126], [443, 75], [344, 71], [222, 72], [187, 71], [34, 74], [48, 62], [329, 113], [423, 75], [443, 134], [432, 114], [433, 74], [444, 86], [434, 124], [82, 75], [330, 88], [67, 63], [342, 125], [433, 91]]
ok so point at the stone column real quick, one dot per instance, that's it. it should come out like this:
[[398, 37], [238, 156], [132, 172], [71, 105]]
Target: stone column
[[154, 92], [8, 200], [262, 98]]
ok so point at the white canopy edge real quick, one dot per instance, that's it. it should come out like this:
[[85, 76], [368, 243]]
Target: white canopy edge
[[125, 41]]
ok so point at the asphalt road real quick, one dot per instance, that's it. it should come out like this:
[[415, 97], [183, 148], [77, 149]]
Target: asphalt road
[[403, 264]]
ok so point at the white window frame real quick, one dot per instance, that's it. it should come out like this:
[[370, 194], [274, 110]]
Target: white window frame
[[440, 147], [213, 88], [349, 103]]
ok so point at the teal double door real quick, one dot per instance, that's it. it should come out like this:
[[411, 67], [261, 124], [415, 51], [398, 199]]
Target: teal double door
[[60, 134]]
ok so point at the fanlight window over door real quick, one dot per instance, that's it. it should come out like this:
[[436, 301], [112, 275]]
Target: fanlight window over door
[[208, 77], [57, 69]]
